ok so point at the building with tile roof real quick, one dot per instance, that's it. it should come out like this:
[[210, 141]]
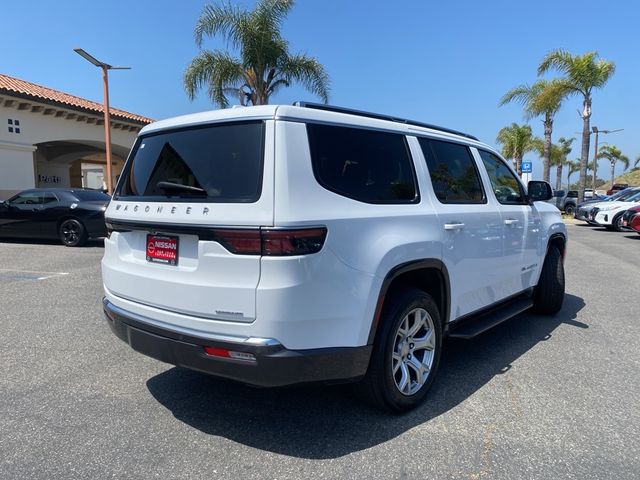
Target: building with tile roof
[[50, 138]]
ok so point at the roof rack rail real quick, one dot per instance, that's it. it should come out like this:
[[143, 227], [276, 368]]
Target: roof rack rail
[[379, 116]]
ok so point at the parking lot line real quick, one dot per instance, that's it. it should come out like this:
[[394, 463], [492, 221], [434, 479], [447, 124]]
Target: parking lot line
[[50, 274]]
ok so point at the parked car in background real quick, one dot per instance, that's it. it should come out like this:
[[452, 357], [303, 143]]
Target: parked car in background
[[609, 214], [583, 210], [566, 201], [631, 219], [617, 187], [68, 214]]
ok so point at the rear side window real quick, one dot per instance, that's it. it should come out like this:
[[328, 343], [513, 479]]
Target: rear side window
[[507, 188], [365, 165], [49, 197], [213, 163], [453, 172]]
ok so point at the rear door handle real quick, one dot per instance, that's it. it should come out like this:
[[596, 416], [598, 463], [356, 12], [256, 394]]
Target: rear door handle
[[511, 221], [454, 226]]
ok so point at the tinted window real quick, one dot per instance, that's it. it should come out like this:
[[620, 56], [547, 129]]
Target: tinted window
[[91, 196], [49, 197], [369, 166], [558, 194], [221, 163], [453, 172], [574, 194], [505, 185], [27, 198]]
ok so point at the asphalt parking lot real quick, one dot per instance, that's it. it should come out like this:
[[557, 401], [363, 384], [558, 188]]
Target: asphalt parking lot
[[536, 397]]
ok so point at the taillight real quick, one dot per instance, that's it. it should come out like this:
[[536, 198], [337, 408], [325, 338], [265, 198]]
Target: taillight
[[241, 241], [293, 242], [109, 229], [272, 242]]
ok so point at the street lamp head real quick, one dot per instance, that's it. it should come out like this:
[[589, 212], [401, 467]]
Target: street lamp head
[[90, 58], [594, 129]]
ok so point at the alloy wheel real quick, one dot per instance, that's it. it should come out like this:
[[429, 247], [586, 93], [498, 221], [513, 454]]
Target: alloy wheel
[[70, 232], [413, 351]]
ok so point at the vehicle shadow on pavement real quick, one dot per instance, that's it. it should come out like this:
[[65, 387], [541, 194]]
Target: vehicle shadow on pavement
[[322, 422]]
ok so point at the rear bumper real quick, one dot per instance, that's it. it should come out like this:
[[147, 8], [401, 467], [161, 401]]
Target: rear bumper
[[274, 365]]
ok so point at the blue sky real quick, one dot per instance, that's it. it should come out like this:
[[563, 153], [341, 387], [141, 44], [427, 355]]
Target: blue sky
[[440, 62]]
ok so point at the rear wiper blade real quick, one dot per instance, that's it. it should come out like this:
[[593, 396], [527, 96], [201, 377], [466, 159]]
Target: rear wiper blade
[[178, 187]]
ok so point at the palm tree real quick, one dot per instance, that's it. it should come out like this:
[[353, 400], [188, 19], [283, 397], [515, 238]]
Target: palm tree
[[542, 98], [559, 157], [573, 167], [582, 74], [613, 154], [264, 65], [516, 140]]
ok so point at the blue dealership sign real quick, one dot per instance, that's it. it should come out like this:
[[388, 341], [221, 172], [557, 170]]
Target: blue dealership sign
[[527, 167]]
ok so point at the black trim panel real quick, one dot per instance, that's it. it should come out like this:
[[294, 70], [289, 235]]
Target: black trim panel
[[470, 317], [203, 232], [274, 365], [430, 263]]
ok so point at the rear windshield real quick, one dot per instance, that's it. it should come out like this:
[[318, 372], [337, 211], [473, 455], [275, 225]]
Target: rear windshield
[[220, 163], [91, 196]]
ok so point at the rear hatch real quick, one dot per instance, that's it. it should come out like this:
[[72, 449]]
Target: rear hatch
[[182, 193]]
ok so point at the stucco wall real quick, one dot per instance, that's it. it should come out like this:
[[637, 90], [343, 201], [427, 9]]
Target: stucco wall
[[16, 168], [19, 171]]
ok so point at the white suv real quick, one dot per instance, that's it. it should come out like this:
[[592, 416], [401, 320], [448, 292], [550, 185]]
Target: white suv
[[285, 244]]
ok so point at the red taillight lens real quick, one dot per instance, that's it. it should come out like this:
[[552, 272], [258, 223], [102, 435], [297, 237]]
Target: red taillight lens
[[281, 242], [241, 241], [293, 242]]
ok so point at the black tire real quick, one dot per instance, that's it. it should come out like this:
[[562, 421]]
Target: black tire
[[379, 386], [549, 293], [570, 209], [72, 233], [617, 223]]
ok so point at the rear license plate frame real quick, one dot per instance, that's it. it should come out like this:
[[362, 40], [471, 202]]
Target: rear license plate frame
[[162, 253]]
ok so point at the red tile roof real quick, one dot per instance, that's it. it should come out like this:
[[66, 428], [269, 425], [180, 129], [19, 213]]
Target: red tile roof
[[10, 85]]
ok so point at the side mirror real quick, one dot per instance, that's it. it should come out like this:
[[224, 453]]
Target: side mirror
[[539, 191]]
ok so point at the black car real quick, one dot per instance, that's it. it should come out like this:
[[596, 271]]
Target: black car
[[70, 214]]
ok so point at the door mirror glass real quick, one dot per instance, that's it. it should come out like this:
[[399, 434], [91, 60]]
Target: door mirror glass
[[539, 191]]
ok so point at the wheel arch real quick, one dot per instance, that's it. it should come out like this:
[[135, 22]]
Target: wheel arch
[[558, 240], [430, 275]]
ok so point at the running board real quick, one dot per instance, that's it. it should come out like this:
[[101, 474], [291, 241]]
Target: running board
[[480, 323]]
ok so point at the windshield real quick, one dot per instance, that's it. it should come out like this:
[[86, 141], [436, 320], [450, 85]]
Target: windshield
[[212, 163], [624, 196], [633, 198]]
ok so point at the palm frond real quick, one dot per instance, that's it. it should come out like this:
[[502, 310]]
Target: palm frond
[[559, 59], [217, 71], [223, 19], [308, 72]]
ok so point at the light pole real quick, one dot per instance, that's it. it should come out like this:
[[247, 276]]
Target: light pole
[[595, 153], [107, 117]]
